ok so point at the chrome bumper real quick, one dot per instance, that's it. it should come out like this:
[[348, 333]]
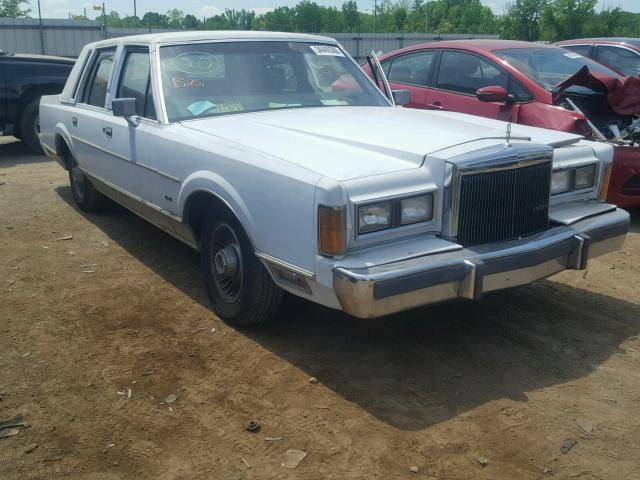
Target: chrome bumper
[[470, 272]]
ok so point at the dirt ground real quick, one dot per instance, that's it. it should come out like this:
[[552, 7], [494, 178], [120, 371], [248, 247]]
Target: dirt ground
[[122, 306]]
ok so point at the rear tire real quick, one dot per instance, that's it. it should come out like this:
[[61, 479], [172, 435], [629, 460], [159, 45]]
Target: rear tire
[[30, 126], [85, 195], [239, 286]]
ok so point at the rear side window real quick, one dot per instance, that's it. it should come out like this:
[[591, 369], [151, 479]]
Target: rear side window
[[135, 82], [623, 60], [579, 49], [95, 92], [412, 68], [466, 73]]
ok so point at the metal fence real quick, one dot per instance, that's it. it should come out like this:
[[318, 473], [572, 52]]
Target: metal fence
[[67, 37]]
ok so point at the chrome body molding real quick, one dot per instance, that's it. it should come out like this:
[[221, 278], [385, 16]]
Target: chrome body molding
[[269, 260], [498, 157], [471, 272], [125, 159], [162, 219]]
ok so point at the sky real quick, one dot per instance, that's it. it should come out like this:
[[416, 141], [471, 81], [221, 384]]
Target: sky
[[207, 8]]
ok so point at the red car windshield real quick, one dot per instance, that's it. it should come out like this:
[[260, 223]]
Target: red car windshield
[[550, 66]]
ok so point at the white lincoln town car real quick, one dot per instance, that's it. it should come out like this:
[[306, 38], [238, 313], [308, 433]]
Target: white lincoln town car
[[278, 159]]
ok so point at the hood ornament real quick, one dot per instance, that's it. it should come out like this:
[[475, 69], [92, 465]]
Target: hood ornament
[[508, 136]]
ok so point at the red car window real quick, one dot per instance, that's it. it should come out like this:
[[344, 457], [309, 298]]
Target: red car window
[[412, 68], [465, 73]]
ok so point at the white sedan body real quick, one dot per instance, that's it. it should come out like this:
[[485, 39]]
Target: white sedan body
[[275, 168]]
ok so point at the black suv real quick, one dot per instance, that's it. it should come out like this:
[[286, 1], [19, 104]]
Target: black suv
[[23, 80]]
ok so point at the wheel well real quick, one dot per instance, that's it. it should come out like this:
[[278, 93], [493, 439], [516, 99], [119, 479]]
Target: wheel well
[[63, 150], [31, 94], [199, 205]]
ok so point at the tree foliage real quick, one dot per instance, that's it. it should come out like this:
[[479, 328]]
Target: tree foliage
[[12, 8], [529, 20]]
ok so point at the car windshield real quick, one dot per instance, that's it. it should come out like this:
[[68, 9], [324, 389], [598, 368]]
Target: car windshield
[[550, 66], [209, 79]]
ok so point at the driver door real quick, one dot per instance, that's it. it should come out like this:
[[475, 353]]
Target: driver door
[[458, 77]]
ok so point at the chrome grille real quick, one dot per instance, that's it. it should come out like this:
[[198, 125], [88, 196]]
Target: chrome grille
[[499, 205]]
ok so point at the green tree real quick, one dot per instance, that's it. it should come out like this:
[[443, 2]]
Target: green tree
[[175, 18], [11, 8], [350, 15], [154, 20], [522, 20], [564, 19], [308, 16], [190, 22]]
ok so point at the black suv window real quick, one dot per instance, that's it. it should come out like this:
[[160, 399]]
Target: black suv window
[[412, 68], [95, 92], [466, 73], [135, 82]]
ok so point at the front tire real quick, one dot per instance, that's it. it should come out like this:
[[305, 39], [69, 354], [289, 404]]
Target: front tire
[[239, 286], [85, 195], [30, 126]]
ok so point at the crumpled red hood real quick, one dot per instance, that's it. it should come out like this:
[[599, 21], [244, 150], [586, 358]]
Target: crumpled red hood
[[623, 94]]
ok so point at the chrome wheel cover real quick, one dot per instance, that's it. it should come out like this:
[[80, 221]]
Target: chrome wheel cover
[[225, 263]]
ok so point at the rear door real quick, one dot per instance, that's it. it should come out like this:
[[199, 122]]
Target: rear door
[[411, 71], [458, 76], [92, 132]]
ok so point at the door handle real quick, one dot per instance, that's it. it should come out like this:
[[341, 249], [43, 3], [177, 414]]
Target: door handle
[[107, 131], [435, 106]]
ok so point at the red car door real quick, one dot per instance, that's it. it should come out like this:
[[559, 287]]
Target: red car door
[[458, 77], [411, 71]]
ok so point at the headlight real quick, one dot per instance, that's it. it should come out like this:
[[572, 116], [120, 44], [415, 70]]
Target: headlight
[[416, 209], [585, 177], [573, 178], [395, 213], [561, 181], [374, 217]]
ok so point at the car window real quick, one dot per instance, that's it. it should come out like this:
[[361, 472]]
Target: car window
[[519, 91], [579, 49], [549, 66], [623, 60], [466, 73], [96, 89], [217, 78], [412, 68], [135, 82]]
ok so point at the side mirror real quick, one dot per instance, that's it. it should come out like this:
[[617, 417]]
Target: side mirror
[[493, 94], [124, 107], [401, 97]]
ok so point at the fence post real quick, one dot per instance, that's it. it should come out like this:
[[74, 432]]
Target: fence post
[[43, 49]]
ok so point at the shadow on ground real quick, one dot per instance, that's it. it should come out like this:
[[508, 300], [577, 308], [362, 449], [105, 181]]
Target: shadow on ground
[[425, 366], [14, 152]]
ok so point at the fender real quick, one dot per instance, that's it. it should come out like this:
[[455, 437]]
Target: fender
[[219, 187]]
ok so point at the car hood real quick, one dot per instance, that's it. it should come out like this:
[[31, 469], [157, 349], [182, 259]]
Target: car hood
[[344, 143]]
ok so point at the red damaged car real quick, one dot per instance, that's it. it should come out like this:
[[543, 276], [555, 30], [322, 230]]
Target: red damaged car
[[532, 84]]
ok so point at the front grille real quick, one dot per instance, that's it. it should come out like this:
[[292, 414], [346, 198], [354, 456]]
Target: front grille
[[503, 204]]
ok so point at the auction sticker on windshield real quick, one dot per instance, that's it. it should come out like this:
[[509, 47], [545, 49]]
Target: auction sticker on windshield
[[326, 50]]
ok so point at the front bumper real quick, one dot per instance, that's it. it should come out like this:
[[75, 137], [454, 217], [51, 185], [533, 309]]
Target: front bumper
[[470, 272]]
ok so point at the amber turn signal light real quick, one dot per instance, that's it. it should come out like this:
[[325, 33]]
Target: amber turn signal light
[[604, 186], [332, 230]]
